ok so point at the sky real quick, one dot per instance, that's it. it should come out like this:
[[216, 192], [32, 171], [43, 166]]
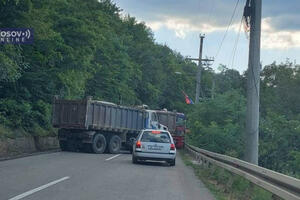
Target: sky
[[178, 23]]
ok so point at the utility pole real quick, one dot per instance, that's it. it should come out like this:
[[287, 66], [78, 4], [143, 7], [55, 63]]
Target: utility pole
[[199, 69], [253, 10]]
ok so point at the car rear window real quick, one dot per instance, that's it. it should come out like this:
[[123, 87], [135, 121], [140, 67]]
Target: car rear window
[[157, 136]]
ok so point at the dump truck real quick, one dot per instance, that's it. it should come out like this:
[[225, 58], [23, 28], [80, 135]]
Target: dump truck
[[176, 125], [99, 126]]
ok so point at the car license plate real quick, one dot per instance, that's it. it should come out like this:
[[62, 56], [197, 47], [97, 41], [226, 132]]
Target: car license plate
[[155, 147]]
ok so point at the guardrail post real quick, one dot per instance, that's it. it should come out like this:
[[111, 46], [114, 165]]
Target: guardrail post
[[205, 163], [209, 164], [200, 161]]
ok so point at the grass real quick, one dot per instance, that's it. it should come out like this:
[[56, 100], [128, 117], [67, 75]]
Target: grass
[[224, 184]]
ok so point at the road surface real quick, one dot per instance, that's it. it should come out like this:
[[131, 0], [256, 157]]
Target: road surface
[[72, 176]]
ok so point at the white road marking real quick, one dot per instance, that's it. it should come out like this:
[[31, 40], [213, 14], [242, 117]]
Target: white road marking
[[25, 194], [113, 157]]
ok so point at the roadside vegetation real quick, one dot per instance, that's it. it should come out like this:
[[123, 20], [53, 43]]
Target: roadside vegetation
[[218, 124], [88, 48], [224, 184]]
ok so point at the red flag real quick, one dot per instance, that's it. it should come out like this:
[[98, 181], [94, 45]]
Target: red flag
[[188, 100]]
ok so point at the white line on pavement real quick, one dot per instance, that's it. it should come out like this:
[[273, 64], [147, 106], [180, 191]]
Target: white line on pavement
[[25, 194], [113, 157]]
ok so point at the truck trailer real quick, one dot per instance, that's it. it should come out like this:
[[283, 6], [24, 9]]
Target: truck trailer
[[99, 126]]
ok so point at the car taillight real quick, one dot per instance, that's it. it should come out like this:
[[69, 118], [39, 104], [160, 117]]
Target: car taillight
[[172, 147], [138, 144]]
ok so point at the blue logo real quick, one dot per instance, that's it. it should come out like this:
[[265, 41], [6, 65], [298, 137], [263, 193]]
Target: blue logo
[[16, 35]]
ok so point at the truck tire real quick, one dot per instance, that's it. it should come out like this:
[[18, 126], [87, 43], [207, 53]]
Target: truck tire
[[99, 144], [63, 145], [114, 145]]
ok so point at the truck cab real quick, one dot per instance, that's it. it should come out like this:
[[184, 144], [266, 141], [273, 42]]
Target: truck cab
[[151, 121]]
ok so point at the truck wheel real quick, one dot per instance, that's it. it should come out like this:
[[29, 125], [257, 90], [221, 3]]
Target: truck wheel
[[63, 145], [99, 143], [114, 145]]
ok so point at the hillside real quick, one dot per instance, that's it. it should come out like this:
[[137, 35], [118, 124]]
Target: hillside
[[83, 48]]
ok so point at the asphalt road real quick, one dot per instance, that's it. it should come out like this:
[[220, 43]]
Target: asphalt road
[[82, 176]]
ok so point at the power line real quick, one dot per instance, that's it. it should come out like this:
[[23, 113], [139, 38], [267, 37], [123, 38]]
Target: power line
[[236, 43], [230, 22]]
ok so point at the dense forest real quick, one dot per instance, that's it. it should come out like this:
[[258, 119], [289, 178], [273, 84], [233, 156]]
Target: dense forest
[[87, 48], [218, 124], [83, 48]]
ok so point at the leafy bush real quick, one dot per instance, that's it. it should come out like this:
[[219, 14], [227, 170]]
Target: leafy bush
[[217, 124], [279, 144], [34, 118]]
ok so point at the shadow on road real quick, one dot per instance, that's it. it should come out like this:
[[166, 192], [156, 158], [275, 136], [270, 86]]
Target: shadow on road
[[105, 153], [153, 163]]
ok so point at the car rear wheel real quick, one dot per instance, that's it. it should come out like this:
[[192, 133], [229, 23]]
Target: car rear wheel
[[114, 145], [173, 162], [99, 144]]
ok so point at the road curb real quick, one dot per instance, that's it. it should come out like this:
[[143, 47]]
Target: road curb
[[29, 154]]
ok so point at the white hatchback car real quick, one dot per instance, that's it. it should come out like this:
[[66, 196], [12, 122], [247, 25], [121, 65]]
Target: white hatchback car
[[155, 145]]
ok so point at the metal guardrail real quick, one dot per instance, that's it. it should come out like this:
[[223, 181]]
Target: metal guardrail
[[279, 184]]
